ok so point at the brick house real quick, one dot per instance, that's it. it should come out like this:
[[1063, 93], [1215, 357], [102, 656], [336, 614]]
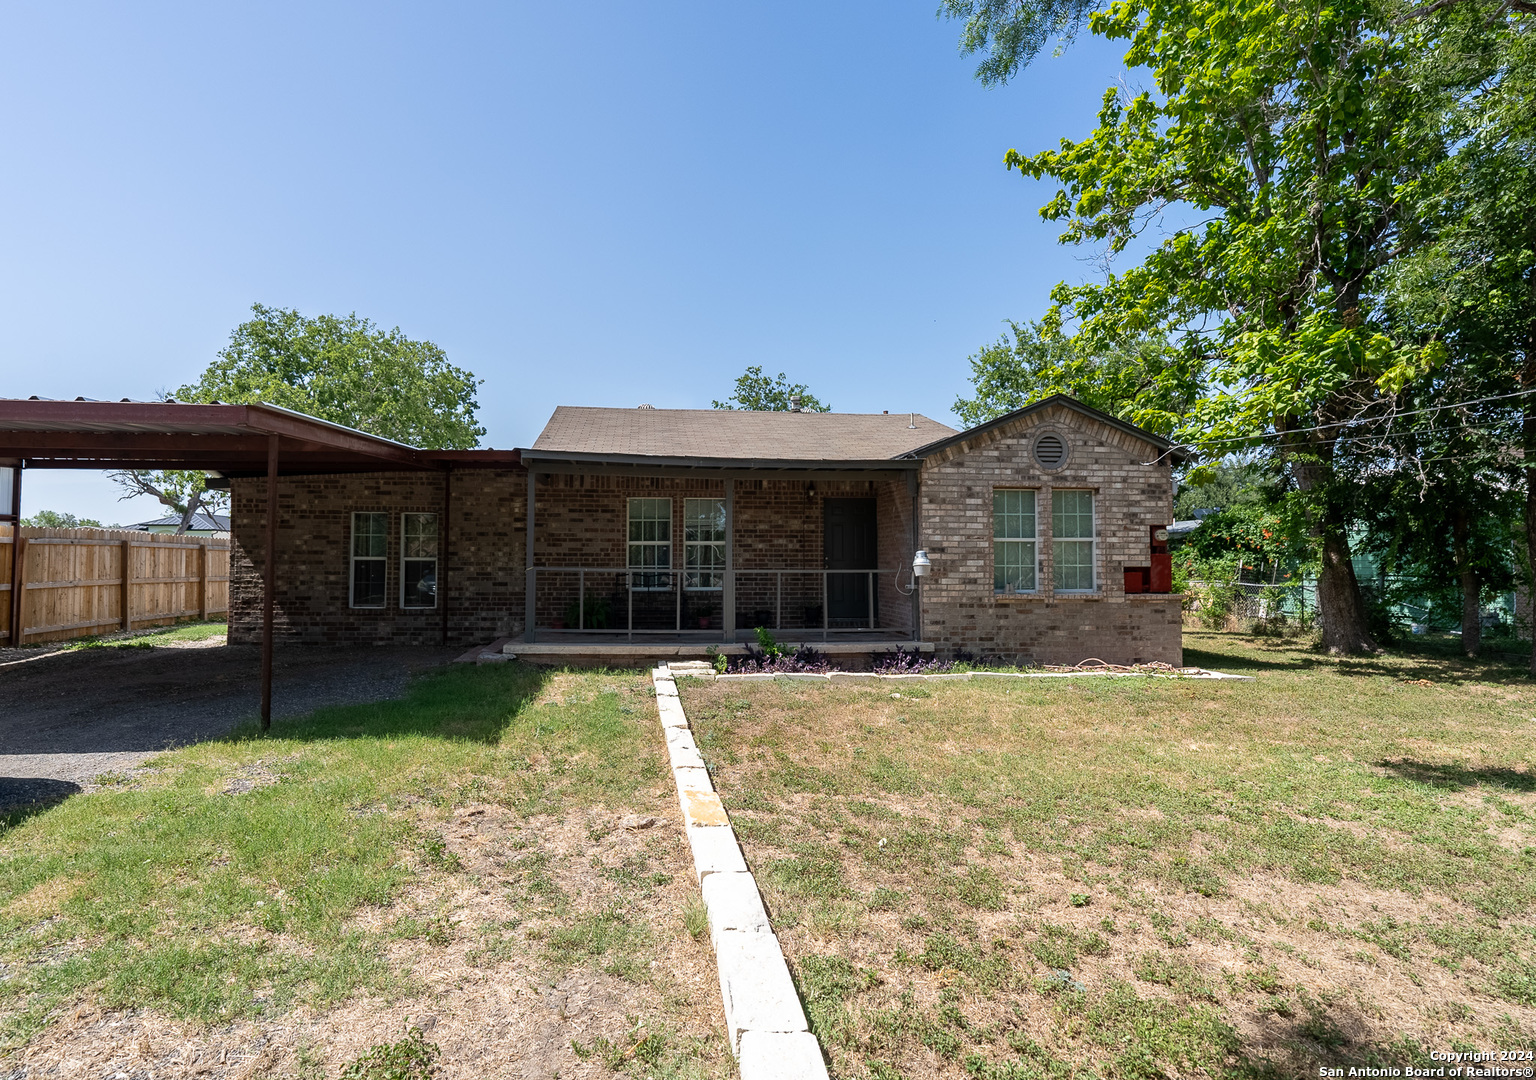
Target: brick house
[[661, 530]]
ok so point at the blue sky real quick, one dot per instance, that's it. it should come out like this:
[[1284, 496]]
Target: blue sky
[[601, 204]]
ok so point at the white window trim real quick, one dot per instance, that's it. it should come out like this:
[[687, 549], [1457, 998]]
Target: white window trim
[[417, 558], [691, 545], [1033, 541], [1092, 542], [354, 559], [636, 571]]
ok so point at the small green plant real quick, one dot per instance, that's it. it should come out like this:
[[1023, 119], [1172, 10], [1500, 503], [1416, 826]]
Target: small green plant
[[592, 615], [412, 1058], [1079, 899], [696, 918], [435, 853], [716, 661], [771, 648]]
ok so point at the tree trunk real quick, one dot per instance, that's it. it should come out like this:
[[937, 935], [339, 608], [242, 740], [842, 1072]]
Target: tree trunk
[[1471, 588], [1340, 607], [193, 502]]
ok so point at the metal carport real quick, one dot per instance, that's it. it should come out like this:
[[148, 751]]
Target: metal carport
[[230, 440]]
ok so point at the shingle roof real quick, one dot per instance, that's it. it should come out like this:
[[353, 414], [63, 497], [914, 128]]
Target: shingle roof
[[737, 434]]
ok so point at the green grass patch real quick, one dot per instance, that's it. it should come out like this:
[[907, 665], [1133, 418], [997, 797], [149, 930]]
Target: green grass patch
[[213, 901], [1068, 855]]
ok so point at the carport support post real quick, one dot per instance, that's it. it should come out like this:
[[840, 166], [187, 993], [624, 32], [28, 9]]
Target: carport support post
[[18, 571], [269, 585]]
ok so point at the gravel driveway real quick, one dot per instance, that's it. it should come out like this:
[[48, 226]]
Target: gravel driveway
[[69, 716]]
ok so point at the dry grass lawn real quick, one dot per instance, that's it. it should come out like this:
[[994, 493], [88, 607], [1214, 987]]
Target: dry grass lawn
[[1332, 865]]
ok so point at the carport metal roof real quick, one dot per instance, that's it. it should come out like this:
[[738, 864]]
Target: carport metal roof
[[231, 439]]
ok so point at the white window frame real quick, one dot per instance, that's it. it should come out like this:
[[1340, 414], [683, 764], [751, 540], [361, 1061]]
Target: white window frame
[[1091, 541], [1030, 544], [695, 570], [662, 575], [355, 558], [406, 558]]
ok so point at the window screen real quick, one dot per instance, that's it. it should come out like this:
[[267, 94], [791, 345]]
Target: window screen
[[703, 543], [370, 545], [650, 542], [1013, 541], [418, 560], [1072, 540]]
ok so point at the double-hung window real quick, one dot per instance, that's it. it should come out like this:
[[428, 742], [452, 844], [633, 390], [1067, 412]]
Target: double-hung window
[[418, 560], [650, 543], [1013, 541], [1072, 540], [370, 546], [703, 543]]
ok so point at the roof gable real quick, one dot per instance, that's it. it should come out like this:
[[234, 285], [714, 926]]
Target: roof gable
[[1164, 449]]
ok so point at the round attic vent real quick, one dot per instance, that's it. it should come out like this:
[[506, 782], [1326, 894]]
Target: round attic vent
[[1050, 451]]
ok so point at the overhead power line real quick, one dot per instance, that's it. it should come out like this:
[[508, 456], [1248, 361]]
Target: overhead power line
[[1354, 420]]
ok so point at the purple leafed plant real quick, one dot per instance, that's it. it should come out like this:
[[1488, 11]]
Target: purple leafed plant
[[770, 656], [804, 660], [909, 662]]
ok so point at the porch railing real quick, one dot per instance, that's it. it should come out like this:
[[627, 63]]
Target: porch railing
[[593, 614]]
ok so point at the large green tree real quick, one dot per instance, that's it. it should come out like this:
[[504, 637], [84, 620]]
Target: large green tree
[[1143, 380], [768, 393], [1470, 282], [346, 370], [342, 369], [1281, 149]]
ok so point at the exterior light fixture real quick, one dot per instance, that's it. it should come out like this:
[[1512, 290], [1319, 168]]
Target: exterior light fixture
[[920, 564]]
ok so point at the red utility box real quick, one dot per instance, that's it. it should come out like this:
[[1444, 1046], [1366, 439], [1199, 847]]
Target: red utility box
[[1138, 579]]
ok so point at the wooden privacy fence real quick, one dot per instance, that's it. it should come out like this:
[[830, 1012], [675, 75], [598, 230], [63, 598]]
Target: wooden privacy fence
[[80, 582]]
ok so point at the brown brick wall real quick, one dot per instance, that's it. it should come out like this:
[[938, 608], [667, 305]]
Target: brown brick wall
[[581, 521], [481, 578], [960, 610]]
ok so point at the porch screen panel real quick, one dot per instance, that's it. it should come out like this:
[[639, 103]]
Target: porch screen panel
[[1013, 541], [703, 543], [650, 542], [418, 560], [1072, 537], [370, 547]]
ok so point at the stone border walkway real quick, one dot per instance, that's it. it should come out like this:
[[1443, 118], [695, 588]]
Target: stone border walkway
[[767, 1027]]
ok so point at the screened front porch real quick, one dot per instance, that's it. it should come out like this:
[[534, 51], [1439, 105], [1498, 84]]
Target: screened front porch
[[700, 558]]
